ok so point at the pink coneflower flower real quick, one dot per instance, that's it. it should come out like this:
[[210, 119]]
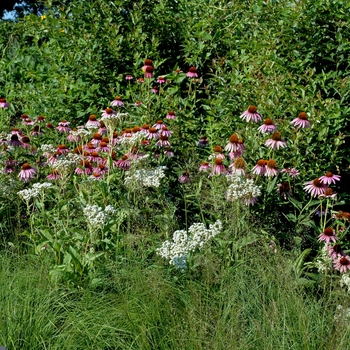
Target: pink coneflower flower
[[271, 168], [161, 80], [102, 129], [185, 178], [85, 168], [117, 102], [267, 127], [101, 169], [203, 142], [140, 80], [152, 133], [8, 169], [63, 126], [50, 126], [27, 122], [235, 145], [3, 103], [147, 63], [163, 141], [14, 141], [96, 139], [126, 133], [260, 167], [90, 147], [327, 236], [62, 149], [103, 147], [96, 177], [136, 129], [291, 172], [204, 166], [115, 138], [149, 72], [159, 125], [335, 251], [92, 121], [129, 77], [137, 103], [275, 142], [165, 131], [329, 178], [251, 114], [27, 172], [192, 73], [40, 119], [170, 115], [250, 200], [284, 189], [36, 131], [168, 152], [155, 90], [107, 113], [95, 157], [218, 168], [54, 175], [342, 263], [73, 138], [16, 131], [315, 187], [123, 163], [302, 121], [238, 167], [328, 193]]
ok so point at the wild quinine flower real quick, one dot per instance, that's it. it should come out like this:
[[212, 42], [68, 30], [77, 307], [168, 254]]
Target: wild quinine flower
[[242, 189], [96, 216], [183, 243], [66, 164], [34, 192], [112, 120], [146, 177]]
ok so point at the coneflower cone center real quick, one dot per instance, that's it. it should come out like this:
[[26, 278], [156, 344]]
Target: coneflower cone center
[[329, 174], [328, 192], [302, 116], [317, 183], [271, 164], [26, 166], [328, 232], [276, 136], [217, 149], [93, 117], [262, 162], [218, 161], [285, 187], [268, 121], [239, 163], [109, 110], [193, 69], [233, 138], [252, 109], [344, 261]]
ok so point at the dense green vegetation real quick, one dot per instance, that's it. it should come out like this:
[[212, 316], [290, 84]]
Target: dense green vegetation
[[209, 209]]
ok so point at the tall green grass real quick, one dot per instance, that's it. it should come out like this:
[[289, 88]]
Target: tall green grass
[[255, 304]]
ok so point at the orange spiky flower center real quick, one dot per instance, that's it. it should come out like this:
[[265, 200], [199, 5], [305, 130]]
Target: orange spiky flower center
[[239, 163], [26, 166], [233, 138], [317, 183], [272, 164], [218, 161], [93, 117], [217, 149], [303, 116], [268, 121], [276, 136], [252, 109]]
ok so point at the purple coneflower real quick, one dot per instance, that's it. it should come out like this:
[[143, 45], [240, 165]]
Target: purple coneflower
[[129, 77], [85, 168], [291, 172], [275, 142], [14, 141], [96, 177], [165, 131], [155, 90], [16, 131], [149, 72], [117, 102], [218, 168], [102, 129], [284, 189], [170, 115], [335, 251], [137, 103], [90, 147], [205, 166], [185, 178], [103, 147], [329, 178], [168, 152], [342, 263], [100, 169], [27, 122], [63, 126], [40, 119], [62, 149], [327, 236], [315, 187], [96, 139], [95, 157], [218, 152], [3, 103], [123, 163], [328, 193], [140, 80], [108, 112], [25, 142], [159, 125], [147, 63], [271, 168], [152, 133], [234, 145], [192, 73], [161, 80], [54, 175], [251, 115], [27, 172], [302, 121], [203, 142], [260, 167], [268, 127], [36, 131], [163, 141], [238, 167]]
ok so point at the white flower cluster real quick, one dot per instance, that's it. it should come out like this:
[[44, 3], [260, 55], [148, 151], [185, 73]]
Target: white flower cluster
[[81, 132], [111, 121], [345, 281], [242, 188], [146, 177], [96, 216], [342, 314], [34, 192], [135, 139], [66, 163], [323, 262], [183, 243], [49, 149]]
